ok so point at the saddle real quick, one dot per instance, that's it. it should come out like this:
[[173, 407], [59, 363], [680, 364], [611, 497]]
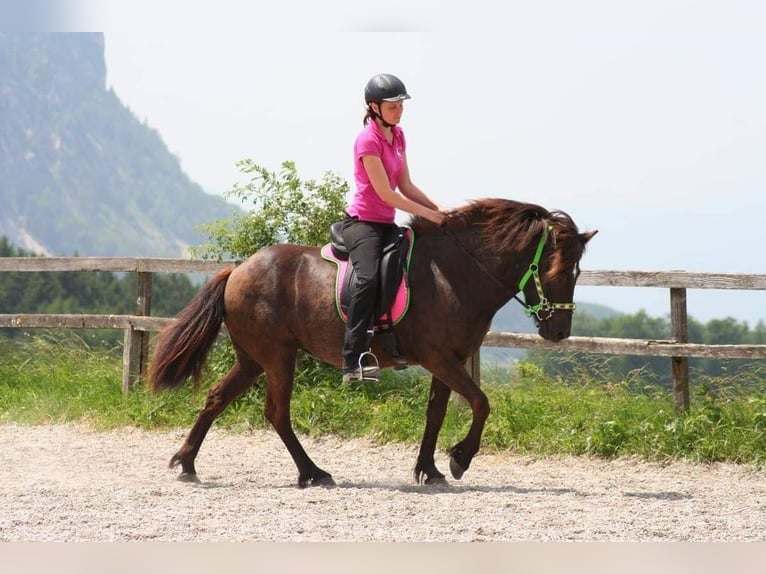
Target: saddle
[[393, 292]]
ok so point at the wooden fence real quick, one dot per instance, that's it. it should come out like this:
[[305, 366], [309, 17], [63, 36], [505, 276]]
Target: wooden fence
[[138, 327]]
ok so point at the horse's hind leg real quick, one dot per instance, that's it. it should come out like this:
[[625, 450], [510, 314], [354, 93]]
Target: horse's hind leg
[[279, 390], [238, 380]]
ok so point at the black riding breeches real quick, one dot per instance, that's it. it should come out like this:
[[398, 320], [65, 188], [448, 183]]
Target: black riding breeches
[[364, 241]]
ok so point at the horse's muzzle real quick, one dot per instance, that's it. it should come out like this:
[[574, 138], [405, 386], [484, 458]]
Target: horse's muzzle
[[552, 331]]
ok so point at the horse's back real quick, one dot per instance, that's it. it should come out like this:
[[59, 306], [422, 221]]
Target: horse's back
[[283, 290], [272, 272]]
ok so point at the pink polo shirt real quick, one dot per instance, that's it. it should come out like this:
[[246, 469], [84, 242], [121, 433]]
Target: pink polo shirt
[[366, 204]]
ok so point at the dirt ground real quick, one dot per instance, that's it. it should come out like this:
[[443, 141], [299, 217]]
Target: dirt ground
[[70, 483]]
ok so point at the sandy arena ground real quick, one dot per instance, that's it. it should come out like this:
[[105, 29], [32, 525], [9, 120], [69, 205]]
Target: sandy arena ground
[[70, 483]]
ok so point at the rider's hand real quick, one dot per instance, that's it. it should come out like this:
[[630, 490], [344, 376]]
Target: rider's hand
[[437, 218]]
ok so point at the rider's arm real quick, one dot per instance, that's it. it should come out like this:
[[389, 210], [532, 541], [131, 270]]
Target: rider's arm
[[379, 180]]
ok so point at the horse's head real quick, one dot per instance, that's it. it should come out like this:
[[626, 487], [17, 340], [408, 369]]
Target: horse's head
[[520, 246], [548, 283]]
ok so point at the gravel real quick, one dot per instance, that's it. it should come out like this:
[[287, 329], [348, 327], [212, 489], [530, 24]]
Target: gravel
[[71, 483]]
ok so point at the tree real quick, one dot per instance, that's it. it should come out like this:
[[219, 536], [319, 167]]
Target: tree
[[726, 331], [759, 334], [84, 292], [284, 209], [639, 326]]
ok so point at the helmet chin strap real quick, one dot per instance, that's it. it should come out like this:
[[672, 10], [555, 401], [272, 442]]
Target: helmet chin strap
[[380, 117]]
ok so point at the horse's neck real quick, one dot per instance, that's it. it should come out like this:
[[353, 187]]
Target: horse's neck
[[471, 270], [500, 268]]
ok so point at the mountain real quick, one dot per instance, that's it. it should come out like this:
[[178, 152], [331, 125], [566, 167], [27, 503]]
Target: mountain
[[79, 174]]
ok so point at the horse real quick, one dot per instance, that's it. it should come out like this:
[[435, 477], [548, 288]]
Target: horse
[[280, 301]]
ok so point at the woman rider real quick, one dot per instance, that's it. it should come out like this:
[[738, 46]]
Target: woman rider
[[383, 185]]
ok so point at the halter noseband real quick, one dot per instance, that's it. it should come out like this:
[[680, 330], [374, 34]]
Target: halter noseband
[[544, 306]]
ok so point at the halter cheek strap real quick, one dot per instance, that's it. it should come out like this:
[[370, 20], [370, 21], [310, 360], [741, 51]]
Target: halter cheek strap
[[544, 309]]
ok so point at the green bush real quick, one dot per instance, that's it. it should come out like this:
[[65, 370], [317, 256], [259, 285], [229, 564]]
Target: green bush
[[285, 209]]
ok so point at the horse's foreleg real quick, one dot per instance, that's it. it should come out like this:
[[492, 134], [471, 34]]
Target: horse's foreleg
[[454, 375], [437, 409], [279, 391], [233, 384], [461, 455]]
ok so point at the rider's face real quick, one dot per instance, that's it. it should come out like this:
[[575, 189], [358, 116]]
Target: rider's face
[[391, 111]]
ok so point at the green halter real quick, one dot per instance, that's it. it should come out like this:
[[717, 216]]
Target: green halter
[[544, 306]]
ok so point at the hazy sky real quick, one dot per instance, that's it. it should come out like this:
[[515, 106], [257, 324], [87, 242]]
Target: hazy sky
[[645, 120]]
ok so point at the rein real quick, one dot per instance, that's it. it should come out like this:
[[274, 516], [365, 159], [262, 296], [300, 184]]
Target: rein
[[533, 271]]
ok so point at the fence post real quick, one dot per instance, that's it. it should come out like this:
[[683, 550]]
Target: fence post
[[131, 359], [144, 309], [679, 332], [136, 346], [473, 366]]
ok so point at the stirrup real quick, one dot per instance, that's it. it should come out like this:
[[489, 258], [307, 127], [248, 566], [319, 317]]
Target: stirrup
[[369, 372]]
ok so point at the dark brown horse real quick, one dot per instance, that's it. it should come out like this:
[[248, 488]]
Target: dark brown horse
[[280, 301]]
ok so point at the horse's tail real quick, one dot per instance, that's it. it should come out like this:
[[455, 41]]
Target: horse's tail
[[183, 345]]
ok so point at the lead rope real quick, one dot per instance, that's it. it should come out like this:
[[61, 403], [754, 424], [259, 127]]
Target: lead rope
[[478, 263]]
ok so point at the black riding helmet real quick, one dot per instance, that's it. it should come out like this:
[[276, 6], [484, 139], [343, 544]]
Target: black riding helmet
[[385, 88]]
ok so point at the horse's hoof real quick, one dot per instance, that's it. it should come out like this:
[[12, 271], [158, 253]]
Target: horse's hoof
[[189, 477], [319, 480], [455, 468], [436, 481], [431, 477], [326, 481]]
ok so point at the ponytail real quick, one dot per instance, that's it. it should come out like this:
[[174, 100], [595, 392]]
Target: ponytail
[[369, 115]]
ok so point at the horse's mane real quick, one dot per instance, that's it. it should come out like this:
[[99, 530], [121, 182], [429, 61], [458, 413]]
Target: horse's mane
[[508, 225]]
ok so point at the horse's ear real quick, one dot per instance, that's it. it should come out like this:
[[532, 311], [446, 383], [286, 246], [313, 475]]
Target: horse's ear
[[585, 237]]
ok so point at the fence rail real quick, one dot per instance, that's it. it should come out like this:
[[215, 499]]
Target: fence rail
[[139, 326]]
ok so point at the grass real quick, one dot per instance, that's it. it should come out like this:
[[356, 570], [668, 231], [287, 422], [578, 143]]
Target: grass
[[53, 381]]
